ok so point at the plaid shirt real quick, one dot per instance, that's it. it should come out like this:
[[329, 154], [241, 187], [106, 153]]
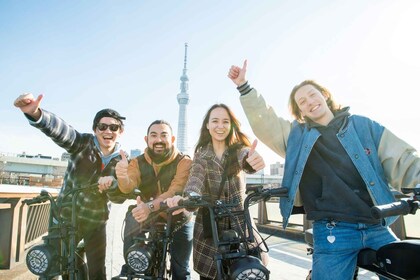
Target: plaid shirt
[[84, 168], [208, 169]]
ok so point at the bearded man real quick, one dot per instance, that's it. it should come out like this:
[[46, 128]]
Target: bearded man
[[159, 173]]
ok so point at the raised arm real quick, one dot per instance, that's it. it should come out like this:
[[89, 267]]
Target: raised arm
[[272, 130]]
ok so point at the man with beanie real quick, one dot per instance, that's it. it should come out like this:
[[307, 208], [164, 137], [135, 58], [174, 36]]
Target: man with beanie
[[92, 160]]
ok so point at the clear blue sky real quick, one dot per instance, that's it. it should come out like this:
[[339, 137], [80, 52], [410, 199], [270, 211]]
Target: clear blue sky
[[128, 55]]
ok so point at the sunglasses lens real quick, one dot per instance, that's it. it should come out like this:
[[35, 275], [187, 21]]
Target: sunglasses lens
[[114, 127], [104, 126]]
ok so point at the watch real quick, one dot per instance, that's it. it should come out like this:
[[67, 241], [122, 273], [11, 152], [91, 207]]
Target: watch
[[151, 206]]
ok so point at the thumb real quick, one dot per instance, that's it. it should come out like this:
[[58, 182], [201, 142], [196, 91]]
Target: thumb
[[123, 157], [138, 199], [38, 99], [245, 65], [253, 146]]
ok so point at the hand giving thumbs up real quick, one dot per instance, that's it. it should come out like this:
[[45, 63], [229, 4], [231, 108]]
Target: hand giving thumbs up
[[254, 159]]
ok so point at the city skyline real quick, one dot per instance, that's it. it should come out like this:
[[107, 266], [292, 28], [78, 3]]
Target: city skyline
[[85, 56]]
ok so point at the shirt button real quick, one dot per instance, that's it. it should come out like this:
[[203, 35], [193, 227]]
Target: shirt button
[[356, 156], [372, 183]]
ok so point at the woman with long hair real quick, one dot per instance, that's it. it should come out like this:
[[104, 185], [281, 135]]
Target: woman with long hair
[[222, 153]]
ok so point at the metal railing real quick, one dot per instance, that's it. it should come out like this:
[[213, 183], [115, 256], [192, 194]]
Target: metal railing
[[21, 226]]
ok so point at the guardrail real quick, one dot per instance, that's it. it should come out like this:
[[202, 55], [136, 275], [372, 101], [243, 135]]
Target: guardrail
[[21, 226]]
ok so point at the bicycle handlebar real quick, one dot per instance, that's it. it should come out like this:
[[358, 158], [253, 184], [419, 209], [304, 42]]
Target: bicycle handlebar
[[45, 195], [41, 198], [402, 207]]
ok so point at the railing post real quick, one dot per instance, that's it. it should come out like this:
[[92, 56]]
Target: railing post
[[262, 213], [9, 217]]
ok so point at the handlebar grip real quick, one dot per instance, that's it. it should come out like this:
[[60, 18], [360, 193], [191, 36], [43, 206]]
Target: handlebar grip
[[181, 202], [392, 209], [35, 200], [163, 206], [279, 192]]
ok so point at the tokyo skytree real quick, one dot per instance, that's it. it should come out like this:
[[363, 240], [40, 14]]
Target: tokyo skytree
[[183, 99]]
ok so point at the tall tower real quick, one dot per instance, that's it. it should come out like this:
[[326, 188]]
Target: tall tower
[[183, 99]]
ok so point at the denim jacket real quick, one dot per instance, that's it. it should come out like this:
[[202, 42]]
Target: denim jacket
[[381, 158]]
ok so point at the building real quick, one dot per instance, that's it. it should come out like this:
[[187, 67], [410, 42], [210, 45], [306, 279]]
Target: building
[[183, 99], [65, 157], [34, 170], [135, 153], [277, 169]]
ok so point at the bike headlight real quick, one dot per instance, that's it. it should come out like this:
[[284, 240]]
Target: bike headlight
[[248, 267], [42, 259], [139, 258]]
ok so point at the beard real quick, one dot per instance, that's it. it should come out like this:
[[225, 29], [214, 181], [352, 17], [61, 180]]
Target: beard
[[159, 157]]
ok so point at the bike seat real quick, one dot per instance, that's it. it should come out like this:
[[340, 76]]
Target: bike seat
[[401, 258]]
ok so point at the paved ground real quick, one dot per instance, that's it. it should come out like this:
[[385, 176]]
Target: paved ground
[[288, 259]]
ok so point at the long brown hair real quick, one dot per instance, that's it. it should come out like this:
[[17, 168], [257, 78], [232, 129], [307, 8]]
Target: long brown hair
[[235, 134], [294, 108]]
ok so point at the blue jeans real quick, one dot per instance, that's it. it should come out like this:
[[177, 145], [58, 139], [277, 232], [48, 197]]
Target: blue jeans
[[337, 259], [180, 247]]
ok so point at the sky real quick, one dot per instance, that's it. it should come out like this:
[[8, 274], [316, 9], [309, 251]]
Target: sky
[[84, 56]]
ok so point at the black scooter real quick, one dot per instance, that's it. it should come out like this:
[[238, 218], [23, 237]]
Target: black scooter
[[236, 258], [395, 261], [59, 255]]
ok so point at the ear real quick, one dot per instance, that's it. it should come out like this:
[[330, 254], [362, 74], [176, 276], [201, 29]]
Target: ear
[[207, 125], [173, 139], [145, 139]]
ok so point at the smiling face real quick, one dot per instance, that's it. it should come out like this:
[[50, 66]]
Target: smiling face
[[312, 104], [108, 138], [219, 125], [160, 139]]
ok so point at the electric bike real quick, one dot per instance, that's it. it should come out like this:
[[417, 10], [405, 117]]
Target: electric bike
[[59, 255], [237, 255], [398, 260], [149, 256]]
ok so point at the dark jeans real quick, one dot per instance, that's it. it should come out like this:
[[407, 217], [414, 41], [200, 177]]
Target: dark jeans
[[95, 248], [180, 248]]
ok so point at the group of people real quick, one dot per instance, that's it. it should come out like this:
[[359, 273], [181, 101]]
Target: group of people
[[337, 166]]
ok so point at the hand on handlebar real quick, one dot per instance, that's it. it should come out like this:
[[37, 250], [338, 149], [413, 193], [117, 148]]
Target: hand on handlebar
[[173, 202], [106, 183]]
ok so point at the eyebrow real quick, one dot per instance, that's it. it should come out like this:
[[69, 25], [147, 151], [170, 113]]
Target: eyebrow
[[156, 133]]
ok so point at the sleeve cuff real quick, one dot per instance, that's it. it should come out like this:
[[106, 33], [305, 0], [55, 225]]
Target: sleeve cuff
[[244, 89]]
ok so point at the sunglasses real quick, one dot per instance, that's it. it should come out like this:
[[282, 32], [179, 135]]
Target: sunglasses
[[113, 127]]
